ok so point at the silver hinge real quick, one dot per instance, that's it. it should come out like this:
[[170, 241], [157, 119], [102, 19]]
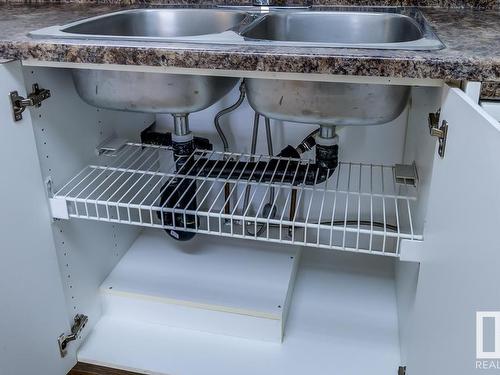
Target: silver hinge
[[34, 99], [440, 132], [79, 323], [402, 370]]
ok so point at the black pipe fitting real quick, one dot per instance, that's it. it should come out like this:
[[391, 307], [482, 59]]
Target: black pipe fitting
[[327, 157], [180, 193], [150, 136], [290, 152], [274, 171], [307, 144]]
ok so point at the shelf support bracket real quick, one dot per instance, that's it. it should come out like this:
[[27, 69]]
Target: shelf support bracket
[[59, 208], [58, 205]]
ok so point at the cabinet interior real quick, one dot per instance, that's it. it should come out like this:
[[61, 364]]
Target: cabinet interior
[[340, 305]]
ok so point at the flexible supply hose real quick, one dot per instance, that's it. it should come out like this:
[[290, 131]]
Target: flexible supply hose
[[226, 111], [225, 143]]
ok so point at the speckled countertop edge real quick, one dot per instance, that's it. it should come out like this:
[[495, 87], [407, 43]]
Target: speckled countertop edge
[[472, 39], [490, 91]]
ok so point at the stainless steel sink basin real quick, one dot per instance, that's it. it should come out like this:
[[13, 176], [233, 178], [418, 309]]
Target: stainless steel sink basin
[[150, 92], [324, 103], [382, 30], [333, 104], [163, 23], [152, 25]]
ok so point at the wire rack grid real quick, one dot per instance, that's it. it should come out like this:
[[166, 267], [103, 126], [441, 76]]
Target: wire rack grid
[[359, 207]]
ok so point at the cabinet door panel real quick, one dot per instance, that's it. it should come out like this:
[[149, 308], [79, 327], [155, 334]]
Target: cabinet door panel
[[460, 264], [32, 308]]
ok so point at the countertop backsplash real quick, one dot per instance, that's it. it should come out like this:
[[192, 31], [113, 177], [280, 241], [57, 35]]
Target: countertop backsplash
[[470, 4]]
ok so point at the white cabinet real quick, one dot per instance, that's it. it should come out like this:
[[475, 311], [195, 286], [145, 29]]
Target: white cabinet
[[493, 108], [460, 255], [32, 307], [415, 305]]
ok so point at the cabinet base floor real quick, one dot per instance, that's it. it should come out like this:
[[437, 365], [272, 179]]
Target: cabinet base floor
[[342, 320]]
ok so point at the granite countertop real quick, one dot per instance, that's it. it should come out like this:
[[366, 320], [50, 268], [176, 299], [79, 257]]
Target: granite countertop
[[472, 52], [490, 90]]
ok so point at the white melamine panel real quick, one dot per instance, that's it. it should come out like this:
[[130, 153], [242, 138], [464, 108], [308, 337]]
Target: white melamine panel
[[199, 272], [234, 287], [419, 148], [32, 308], [87, 252], [493, 108], [459, 269], [472, 90], [342, 320], [318, 77], [419, 145], [67, 132], [192, 316]]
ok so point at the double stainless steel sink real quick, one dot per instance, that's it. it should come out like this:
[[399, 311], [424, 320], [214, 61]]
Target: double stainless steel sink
[[381, 28], [299, 101]]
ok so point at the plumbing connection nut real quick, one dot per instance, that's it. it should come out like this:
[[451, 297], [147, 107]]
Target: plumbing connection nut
[[327, 156], [330, 141]]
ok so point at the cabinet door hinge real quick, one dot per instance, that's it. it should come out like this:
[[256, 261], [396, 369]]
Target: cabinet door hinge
[[34, 99], [79, 323], [402, 370], [440, 132]]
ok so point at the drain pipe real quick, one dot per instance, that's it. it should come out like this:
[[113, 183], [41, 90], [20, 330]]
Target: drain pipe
[[327, 148], [180, 193], [326, 141], [182, 140], [306, 145]]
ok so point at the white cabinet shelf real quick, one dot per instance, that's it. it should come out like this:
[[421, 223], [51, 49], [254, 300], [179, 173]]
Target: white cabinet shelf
[[359, 208], [343, 308], [223, 286]]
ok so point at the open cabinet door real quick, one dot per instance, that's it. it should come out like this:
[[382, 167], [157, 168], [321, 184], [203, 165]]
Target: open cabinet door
[[32, 305], [460, 265]]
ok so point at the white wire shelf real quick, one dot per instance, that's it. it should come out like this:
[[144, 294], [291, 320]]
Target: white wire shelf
[[359, 208]]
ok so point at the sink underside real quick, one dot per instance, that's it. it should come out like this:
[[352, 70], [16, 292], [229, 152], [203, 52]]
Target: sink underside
[[150, 92], [325, 103]]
